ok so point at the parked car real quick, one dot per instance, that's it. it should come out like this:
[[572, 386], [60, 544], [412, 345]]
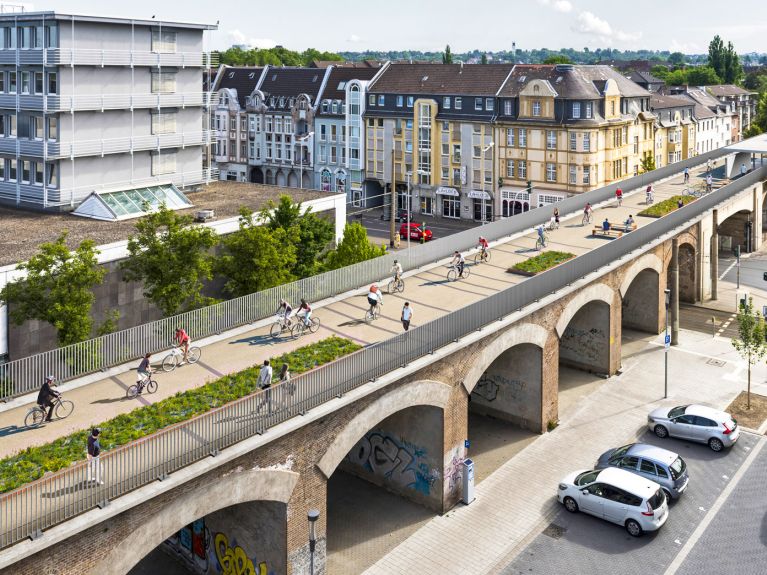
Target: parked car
[[695, 423], [660, 465], [403, 215], [416, 231], [617, 496]]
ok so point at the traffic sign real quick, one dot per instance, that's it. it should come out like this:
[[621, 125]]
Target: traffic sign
[[667, 340]]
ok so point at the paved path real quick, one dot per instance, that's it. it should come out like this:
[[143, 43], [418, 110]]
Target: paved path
[[428, 291]]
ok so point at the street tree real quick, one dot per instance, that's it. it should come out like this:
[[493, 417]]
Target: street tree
[[647, 163], [57, 289], [172, 258], [750, 343], [355, 247], [447, 56], [484, 59]]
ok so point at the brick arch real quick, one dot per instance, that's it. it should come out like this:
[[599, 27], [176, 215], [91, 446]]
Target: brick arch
[[647, 261], [230, 489], [426, 392], [594, 292], [517, 335]]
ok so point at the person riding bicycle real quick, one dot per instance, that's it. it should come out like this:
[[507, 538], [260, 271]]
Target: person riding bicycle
[[649, 194], [375, 298], [458, 261], [587, 211], [182, 340], [542, 235], [46, 395], [305, 312], [143, 373], [686, 175], [285, 310], [483, 246], [619, 195], [396, 269]]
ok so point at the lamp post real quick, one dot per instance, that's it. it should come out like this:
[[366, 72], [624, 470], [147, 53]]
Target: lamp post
[[312, 516], [301, 155], [485, 149], [666, 342], [409, 175]]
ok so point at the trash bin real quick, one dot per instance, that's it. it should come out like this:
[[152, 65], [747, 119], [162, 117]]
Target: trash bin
[[468, 481]]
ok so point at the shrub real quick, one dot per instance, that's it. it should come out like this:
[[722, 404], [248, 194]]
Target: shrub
[[540, 263], [665, 207]]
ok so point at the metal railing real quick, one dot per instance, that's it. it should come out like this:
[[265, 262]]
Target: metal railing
[[57, 497], [101, 102], [96, 57]]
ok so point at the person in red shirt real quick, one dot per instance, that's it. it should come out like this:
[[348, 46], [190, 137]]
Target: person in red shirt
[[483, 245], [619, 196], [182, 340]]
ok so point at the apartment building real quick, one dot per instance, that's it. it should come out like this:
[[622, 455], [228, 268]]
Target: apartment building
[[91, 104], [714, 120], [429, 131], [232, 146], [566, 129], [743, 103], [675, 129]]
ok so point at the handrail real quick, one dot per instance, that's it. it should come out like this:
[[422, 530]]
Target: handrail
[[59, 496]]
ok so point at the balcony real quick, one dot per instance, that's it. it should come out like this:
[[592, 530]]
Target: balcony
[[96, 102], [94, 57]]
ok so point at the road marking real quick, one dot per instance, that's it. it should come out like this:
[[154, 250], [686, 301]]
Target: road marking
[[701, 529], [732, 265], [725, 325]]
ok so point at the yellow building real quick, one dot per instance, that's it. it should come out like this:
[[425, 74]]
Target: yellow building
[[675, 134]]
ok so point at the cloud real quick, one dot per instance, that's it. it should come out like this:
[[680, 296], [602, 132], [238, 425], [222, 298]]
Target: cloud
[[558, 5], [591, 24], [354, 39], [238, 37]]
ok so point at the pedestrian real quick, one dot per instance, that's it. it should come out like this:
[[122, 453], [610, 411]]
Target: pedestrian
[[265, 383], [743, 169], [94, 451], [285, 379], [686, 175], [708, 166], [407, 315], [556, 216], [709, 183], [679, 203]]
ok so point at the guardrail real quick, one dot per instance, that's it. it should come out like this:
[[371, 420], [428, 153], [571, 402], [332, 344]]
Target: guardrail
[[26, 374], [53, 499]]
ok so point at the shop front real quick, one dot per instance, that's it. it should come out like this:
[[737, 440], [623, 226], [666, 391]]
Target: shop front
[[482, 202], [450, 202]]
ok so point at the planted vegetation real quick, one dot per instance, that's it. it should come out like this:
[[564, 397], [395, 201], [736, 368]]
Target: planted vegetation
[[540, 263], [665, 207]]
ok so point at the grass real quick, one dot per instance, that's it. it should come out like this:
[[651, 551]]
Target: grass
[[34, 462], [665, 207], [540, 263]]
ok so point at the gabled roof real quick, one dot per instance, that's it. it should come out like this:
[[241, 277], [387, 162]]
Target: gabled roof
[[338, 78], [570, 81], [358, 64], [658, 102], [720, 90], [284, 81], [638, 76], [243, 79], [704, 98], [439, 79], [703, 113]]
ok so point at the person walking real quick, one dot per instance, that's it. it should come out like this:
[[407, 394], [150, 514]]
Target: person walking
[[709, 183], [94, 453], [265, 383], [407, 315], [686, 175], [743, 170]]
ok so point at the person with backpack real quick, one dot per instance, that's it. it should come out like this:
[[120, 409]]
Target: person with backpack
[[94, 451]]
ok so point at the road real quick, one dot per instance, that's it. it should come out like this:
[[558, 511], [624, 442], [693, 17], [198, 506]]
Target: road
[[707, 320], [378, 229], [751, 270]]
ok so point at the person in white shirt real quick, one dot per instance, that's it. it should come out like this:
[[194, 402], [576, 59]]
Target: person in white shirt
[[459, 262], [264, 383], [396, 269], [407, 315], [375, 298]]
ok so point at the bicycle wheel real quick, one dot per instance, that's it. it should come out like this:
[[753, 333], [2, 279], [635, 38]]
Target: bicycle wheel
[[315, 325], [194, 354], [401, 285], [538, 244], [132, 391], [452, 275], [297, 329], [466, 272], [276, 329], [369, 316], [169, 362], [487, 256], [64, 409], [392, 287], [35, 417], [151, 386]]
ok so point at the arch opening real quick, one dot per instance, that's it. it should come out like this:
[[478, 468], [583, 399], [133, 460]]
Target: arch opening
[[642, 304]]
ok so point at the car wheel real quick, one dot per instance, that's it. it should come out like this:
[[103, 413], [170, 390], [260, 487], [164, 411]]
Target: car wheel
[[634, 529], [715, 444], [667, 493], [571, 505], [661, 431]]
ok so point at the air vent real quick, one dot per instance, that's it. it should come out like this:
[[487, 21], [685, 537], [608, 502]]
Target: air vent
[[522, 79], [558, 80], [204, 215], [424, 78], [315, 78], [274, 77]]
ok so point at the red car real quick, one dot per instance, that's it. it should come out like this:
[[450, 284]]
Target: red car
[[416, 232]]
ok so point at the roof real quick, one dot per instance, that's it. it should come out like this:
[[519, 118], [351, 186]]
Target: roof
[[338, 78], [653, 452], [638, 76], [703, 98], [358, 64], [570, 81], [755, 145], [726, 90], [436, 79], [284, 81], [658, 102], [631, 482], [704, 411], [132, 203], [702, 112], [242, 79], [49, 14]]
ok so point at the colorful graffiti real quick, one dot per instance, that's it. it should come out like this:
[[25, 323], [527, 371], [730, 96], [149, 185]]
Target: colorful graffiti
[[400, 462], [234, 560]]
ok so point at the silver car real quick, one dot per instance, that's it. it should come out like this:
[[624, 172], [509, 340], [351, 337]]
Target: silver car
[[695, 423], [664, 467]]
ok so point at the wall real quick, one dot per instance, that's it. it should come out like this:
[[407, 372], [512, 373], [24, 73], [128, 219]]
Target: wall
[[586, 341], [640, 304]]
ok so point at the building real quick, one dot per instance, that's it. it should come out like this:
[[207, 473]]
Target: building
[[339, 134], [674, 129], [229, 121], [92, 104], [714, 119], [429, 132], [566, 129], [743, 102], [647, 81]]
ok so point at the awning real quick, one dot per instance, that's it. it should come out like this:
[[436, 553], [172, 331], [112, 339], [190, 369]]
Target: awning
[[443, 191], [479, 195]]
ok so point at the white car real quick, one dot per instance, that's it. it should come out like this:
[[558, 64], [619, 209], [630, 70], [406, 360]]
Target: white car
[[617, 496]]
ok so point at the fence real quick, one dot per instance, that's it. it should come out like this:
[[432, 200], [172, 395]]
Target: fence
[[26, 511], [26, 374]]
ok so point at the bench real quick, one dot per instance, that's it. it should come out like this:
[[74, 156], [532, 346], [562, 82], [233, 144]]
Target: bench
[[622, 228], [598, 231]]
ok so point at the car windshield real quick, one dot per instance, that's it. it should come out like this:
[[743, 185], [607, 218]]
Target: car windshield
[[677, 411], [677, 468], [657, 500], [621, 450], [586, 478]]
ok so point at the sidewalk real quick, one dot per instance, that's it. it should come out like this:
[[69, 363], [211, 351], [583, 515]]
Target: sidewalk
[[518, 500]]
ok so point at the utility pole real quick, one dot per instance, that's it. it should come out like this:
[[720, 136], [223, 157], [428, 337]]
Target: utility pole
[[393, 200]]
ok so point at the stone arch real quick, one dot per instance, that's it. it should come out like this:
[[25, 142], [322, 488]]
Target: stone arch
[[426, 392], [293, 179], [688, 273], [647, 261], [231, 489], [594, 292], [281, 180]]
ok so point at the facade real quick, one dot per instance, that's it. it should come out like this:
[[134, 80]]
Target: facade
[[94, 104], [429, 132], [566, 129], [675, 133], [715, 120], [743, 102], [229, 121]]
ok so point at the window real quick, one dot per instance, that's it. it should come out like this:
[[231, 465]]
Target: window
[[408, 124], [458, 103], [445, 173], [510, 137], [333, 155], [36, 127], [381, 100], [573, 141], [489, 104], [573, 175], [647, 467], [268, 122], [536, 108], [277, 124], [26, 37], [11, 82], [624, 135], [2, 81], [12, 125], [586, 142], [445, 149], [410, 101], [333, 133], [51, 37], [163, 123], [523, 137], [163, 82], [576, 110], [39, 83], [163, 41], [522, 169], [507, 107], [400, 101], [233, 124], [477, 152], [612, 108], [551, 140], [629, 462], [2, 128], [26, 171], [2, 169], [587, 174], [164, 163], [26, 84], [636, 144], [371, 100], [408, 146], [12, 170], [323, 155], [551, 172], [445, 126], [509, 168], [446, 102], [477, 103]]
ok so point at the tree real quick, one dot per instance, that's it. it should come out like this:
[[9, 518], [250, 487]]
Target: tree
[[447, 57], [58, 289], [724, 60], [255, 257], [354, 248], [702, 76], [557, 59], [172, 259], [647, 164], [660, 72], [676, 58], [484, 59], [750, 343]]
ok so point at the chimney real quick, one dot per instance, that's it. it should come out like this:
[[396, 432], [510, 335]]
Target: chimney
[[461, 70]]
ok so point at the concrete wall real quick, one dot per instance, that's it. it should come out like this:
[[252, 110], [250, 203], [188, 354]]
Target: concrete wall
[[640, 309], [586, 341]]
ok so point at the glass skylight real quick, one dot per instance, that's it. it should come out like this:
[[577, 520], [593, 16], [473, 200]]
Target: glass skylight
[[132, 203]]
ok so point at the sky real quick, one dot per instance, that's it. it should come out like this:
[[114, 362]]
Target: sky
[[428, 25]]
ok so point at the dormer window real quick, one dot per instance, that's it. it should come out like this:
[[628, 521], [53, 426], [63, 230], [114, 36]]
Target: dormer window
[[335, 107], [291, 102], [271, 102], [589, 109], [325, 107], [576, 110], [536, 108], [256, 100], [282, 102]]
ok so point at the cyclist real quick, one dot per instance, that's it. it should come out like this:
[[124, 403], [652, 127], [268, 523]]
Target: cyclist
[[143, 372], [587, 211], [619, 196], [458, 261], [396, 269], [483, 246], [542, 235], [375, 298], [307, 312], [44, 398], [686, 175], [285, 310], [649, 194], [182, 339]]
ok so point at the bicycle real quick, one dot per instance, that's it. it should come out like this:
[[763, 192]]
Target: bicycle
[[540, 243], [587, 217], [62, 409], [396, 285], [452, 273], [620, 200], [280, 324], [148, 384], [553, 225], [300, 327], [373, 314], [176, 357], [481, 257]]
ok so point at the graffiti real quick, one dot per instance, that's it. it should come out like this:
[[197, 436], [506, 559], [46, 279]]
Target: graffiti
[[453, 471], [191, 543], [398, 461], [234, 561], [583, 344], [486, 388]]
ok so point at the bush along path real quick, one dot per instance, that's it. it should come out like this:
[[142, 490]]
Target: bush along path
[[34, 462], [540, 263], [665, 207]]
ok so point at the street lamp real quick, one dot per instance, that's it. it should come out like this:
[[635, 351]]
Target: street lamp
[[313, 515], [409, 175], [666, 342], [485, 149], [301, 154]]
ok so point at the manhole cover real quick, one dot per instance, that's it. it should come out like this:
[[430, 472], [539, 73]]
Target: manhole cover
[[554, 531], [716, 362]]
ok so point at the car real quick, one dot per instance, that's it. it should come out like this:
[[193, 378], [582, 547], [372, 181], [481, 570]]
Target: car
[[660, 465], [696, 423], [615, 495], [405, 215], [416, 232]]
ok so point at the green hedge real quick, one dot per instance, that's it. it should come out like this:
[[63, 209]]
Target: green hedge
[[665, 207], [33, 462], [541, 262]]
